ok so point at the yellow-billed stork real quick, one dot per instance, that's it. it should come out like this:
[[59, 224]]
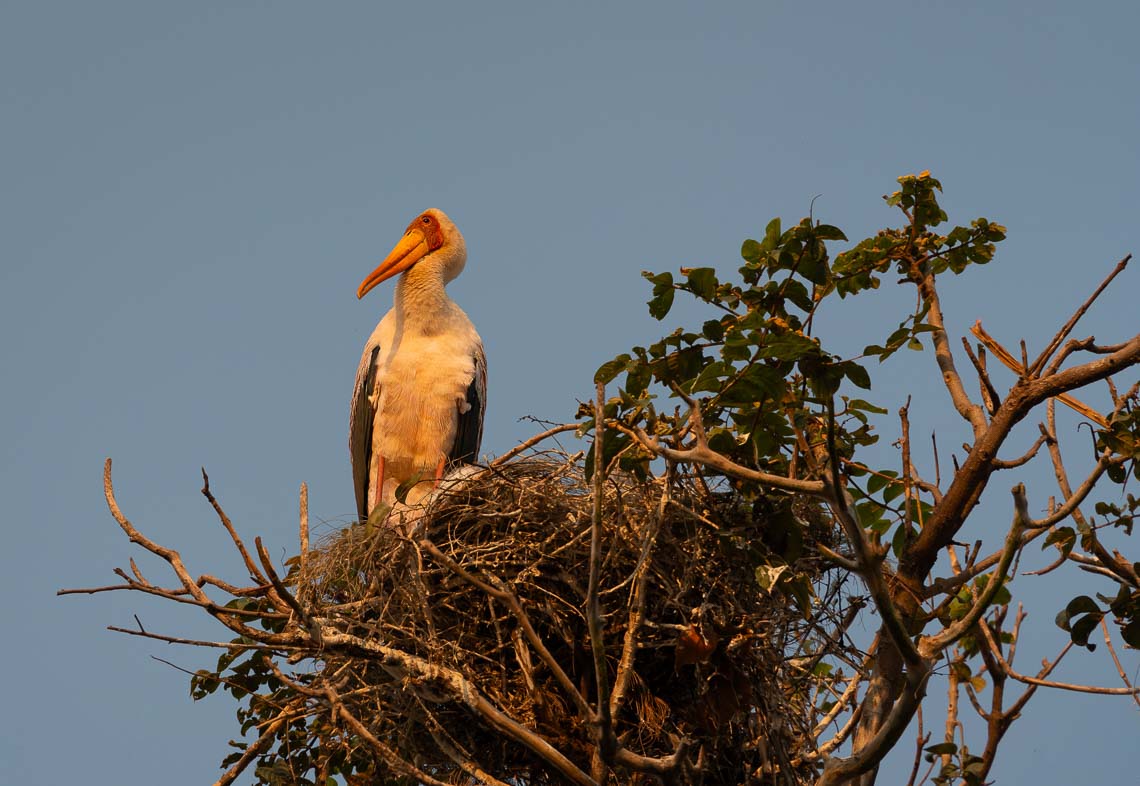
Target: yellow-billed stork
[[421, 386]]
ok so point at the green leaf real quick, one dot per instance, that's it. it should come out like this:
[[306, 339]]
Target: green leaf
[[610, 369], [751, 251], [1082, 604], [1064, 537], [903, 535], [710, 377], [878, 481], [613, 442], [787, 346], [772, 234], [1131, 633], [663, 293], [866, 406], [858, 375], [768, 575], [1082, 628], [893, 491], [702, 280], [828, 232], [713, 330], [942, 748]]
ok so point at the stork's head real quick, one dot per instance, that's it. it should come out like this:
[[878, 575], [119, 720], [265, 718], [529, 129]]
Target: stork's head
[[430, 240]]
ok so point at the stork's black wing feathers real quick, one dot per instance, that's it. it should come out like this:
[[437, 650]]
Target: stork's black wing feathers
[[361, 418], [469, 431]]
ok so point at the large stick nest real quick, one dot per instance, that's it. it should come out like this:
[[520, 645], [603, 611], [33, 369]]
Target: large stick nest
[[710, 650]]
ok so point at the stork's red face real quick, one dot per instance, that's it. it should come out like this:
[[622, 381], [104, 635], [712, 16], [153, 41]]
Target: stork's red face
[[422, 236]]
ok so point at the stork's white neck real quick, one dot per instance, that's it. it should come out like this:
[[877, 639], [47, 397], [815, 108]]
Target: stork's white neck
[[421, 301]]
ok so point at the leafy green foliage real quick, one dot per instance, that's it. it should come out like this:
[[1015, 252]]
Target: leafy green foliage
[[769, 394], [916, 249], [1080, 618]]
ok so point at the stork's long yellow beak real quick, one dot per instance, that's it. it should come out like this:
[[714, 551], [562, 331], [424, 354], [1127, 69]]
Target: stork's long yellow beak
[[411, 248]]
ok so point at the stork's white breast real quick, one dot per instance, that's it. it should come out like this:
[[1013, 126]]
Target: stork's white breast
[[423, 381]]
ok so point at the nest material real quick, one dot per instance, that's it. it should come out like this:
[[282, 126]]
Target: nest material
[[711, 644]]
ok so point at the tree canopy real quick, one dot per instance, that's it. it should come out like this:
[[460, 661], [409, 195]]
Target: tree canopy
[[676, 603]]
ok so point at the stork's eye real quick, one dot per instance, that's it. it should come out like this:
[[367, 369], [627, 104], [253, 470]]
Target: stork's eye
[[426, 220]]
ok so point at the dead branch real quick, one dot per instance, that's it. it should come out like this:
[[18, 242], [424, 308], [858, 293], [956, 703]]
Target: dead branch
[[1067, 328], [1116, 662], [607, 741]]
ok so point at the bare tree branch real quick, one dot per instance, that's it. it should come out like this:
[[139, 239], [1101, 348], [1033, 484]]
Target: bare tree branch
[[1051, 347]]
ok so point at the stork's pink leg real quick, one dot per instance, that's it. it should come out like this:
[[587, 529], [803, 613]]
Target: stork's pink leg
[[439, 471], [378, 489]]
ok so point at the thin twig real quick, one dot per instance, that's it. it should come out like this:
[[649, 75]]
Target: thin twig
[[304, 527], [1051, 347], [521, 447], [607, 741], [1116, 661], [254, 573]]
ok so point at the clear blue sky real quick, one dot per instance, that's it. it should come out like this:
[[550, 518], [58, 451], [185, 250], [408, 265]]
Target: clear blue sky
[[192, 191]]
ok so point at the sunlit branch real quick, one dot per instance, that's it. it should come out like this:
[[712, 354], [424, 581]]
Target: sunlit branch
[[1051, 347]]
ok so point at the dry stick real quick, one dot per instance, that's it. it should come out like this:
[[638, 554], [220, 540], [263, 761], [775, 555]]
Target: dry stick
[[835, 635], [1083, 345], [1121, 572], [637, 601], [1046, 669], [178, 596], [468, 765], [1068, 685], [1043, 358], [1017, 368], [254, 573], [997, 721], [867, 561], [252, 752], [174, 559], [700, 453], [837, 558], [932, 645], [606, 740], [920, 743], [454, 751], [304, 526], [842, 735], [951, 711], [278, 585], [224, 645], [990, 397], [937, 468], [517, 449], [848, 694], [520, 614], [1016, 633], [462, 691], [1116, 660], [390, 757], [1025, 458], [904, 421], [973, 476]]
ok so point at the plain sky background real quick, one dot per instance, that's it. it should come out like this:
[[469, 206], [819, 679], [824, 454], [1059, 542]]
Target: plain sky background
[[192, 192]]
